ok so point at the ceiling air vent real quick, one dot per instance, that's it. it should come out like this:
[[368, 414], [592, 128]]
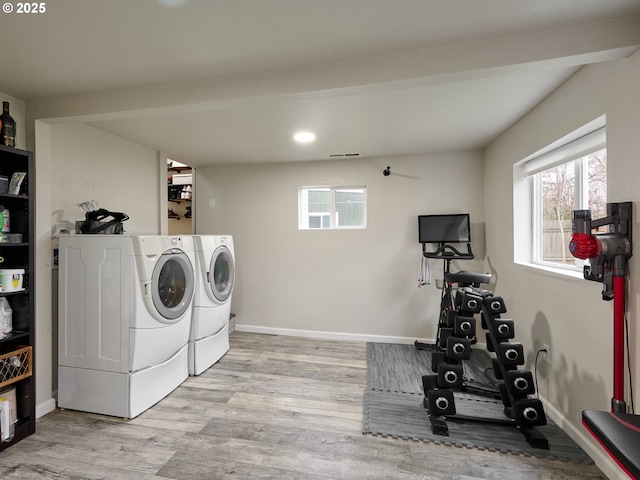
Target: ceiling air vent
[[333, 155]]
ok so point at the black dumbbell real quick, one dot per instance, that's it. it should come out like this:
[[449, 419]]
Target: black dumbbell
[[510, 354], [520, 383], [445, 333], [529, 412], [437, 357], [502, 328], [464, 326], [458, 348], [467, 302], [429, 382], [450, 376], [441, 402], [495, 305], [497, 371]]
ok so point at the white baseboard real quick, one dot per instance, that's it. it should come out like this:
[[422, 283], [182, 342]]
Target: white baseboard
[[355, 337], [602, 460], [45, 407]]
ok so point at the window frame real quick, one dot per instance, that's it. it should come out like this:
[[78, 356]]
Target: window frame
[[333, 213], [581, 202], [527, 193]]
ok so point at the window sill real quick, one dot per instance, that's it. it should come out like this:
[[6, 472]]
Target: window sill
[[554, 270]]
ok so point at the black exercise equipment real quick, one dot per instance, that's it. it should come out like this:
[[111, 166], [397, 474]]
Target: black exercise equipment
[[450, 376], [520, 383], [456, 333], [515, 387], [456, 330], [619, 435], [608, 253], [502, 329], [510, 355]]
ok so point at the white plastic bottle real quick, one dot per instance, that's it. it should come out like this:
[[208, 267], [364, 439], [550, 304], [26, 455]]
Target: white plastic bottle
[[6, 221], [7, 427], [6, 316]]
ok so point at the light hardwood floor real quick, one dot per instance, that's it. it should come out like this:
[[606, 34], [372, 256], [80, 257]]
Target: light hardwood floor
[[273, 407]]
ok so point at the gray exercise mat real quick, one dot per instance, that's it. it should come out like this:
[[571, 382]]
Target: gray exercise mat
[[393, 407]]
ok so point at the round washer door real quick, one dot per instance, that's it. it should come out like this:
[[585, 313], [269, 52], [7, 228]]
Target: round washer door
[[221, 273], [172, 284]]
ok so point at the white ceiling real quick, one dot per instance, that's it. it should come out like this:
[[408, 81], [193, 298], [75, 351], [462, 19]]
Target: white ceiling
[[230, 81]]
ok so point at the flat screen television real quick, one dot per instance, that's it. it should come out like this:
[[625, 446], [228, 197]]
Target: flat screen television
[[444, 228]]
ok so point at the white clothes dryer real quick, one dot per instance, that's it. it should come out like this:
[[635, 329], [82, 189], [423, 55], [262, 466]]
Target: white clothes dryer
[[215, 266], [125, 308]]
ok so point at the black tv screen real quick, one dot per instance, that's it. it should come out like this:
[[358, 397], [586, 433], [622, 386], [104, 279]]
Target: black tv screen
[[444, 228]]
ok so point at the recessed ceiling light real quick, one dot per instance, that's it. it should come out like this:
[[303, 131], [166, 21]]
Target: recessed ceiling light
[[304, 137]]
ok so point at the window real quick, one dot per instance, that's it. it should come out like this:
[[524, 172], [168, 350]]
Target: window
[[552, 184], [332, 207], [578, 184]]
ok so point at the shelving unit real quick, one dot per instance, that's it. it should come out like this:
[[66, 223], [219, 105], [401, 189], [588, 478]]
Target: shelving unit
[[19, 345], [179, 221]]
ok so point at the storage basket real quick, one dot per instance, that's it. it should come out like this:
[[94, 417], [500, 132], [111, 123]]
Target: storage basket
[[15, 365], [182, 179]]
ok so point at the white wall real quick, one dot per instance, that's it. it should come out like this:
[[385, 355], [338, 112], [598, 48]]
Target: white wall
[[568, 313], [121, 176], [354, 282]]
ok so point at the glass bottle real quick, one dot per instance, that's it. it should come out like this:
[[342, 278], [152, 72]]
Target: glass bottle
[[8, 129]]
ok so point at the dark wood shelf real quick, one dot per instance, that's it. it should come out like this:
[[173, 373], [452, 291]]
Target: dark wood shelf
[[24, 427], [21, 256], [15, 335]]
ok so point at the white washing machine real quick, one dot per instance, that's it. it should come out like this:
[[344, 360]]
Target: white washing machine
[[124, 314], [215, 267]]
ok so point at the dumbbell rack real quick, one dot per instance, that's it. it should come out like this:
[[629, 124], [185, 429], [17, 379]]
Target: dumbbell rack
[[463, 278], [456, 337]]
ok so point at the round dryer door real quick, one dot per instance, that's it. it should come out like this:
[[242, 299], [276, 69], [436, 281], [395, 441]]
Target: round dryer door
[[221, 273], [172, 284]]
